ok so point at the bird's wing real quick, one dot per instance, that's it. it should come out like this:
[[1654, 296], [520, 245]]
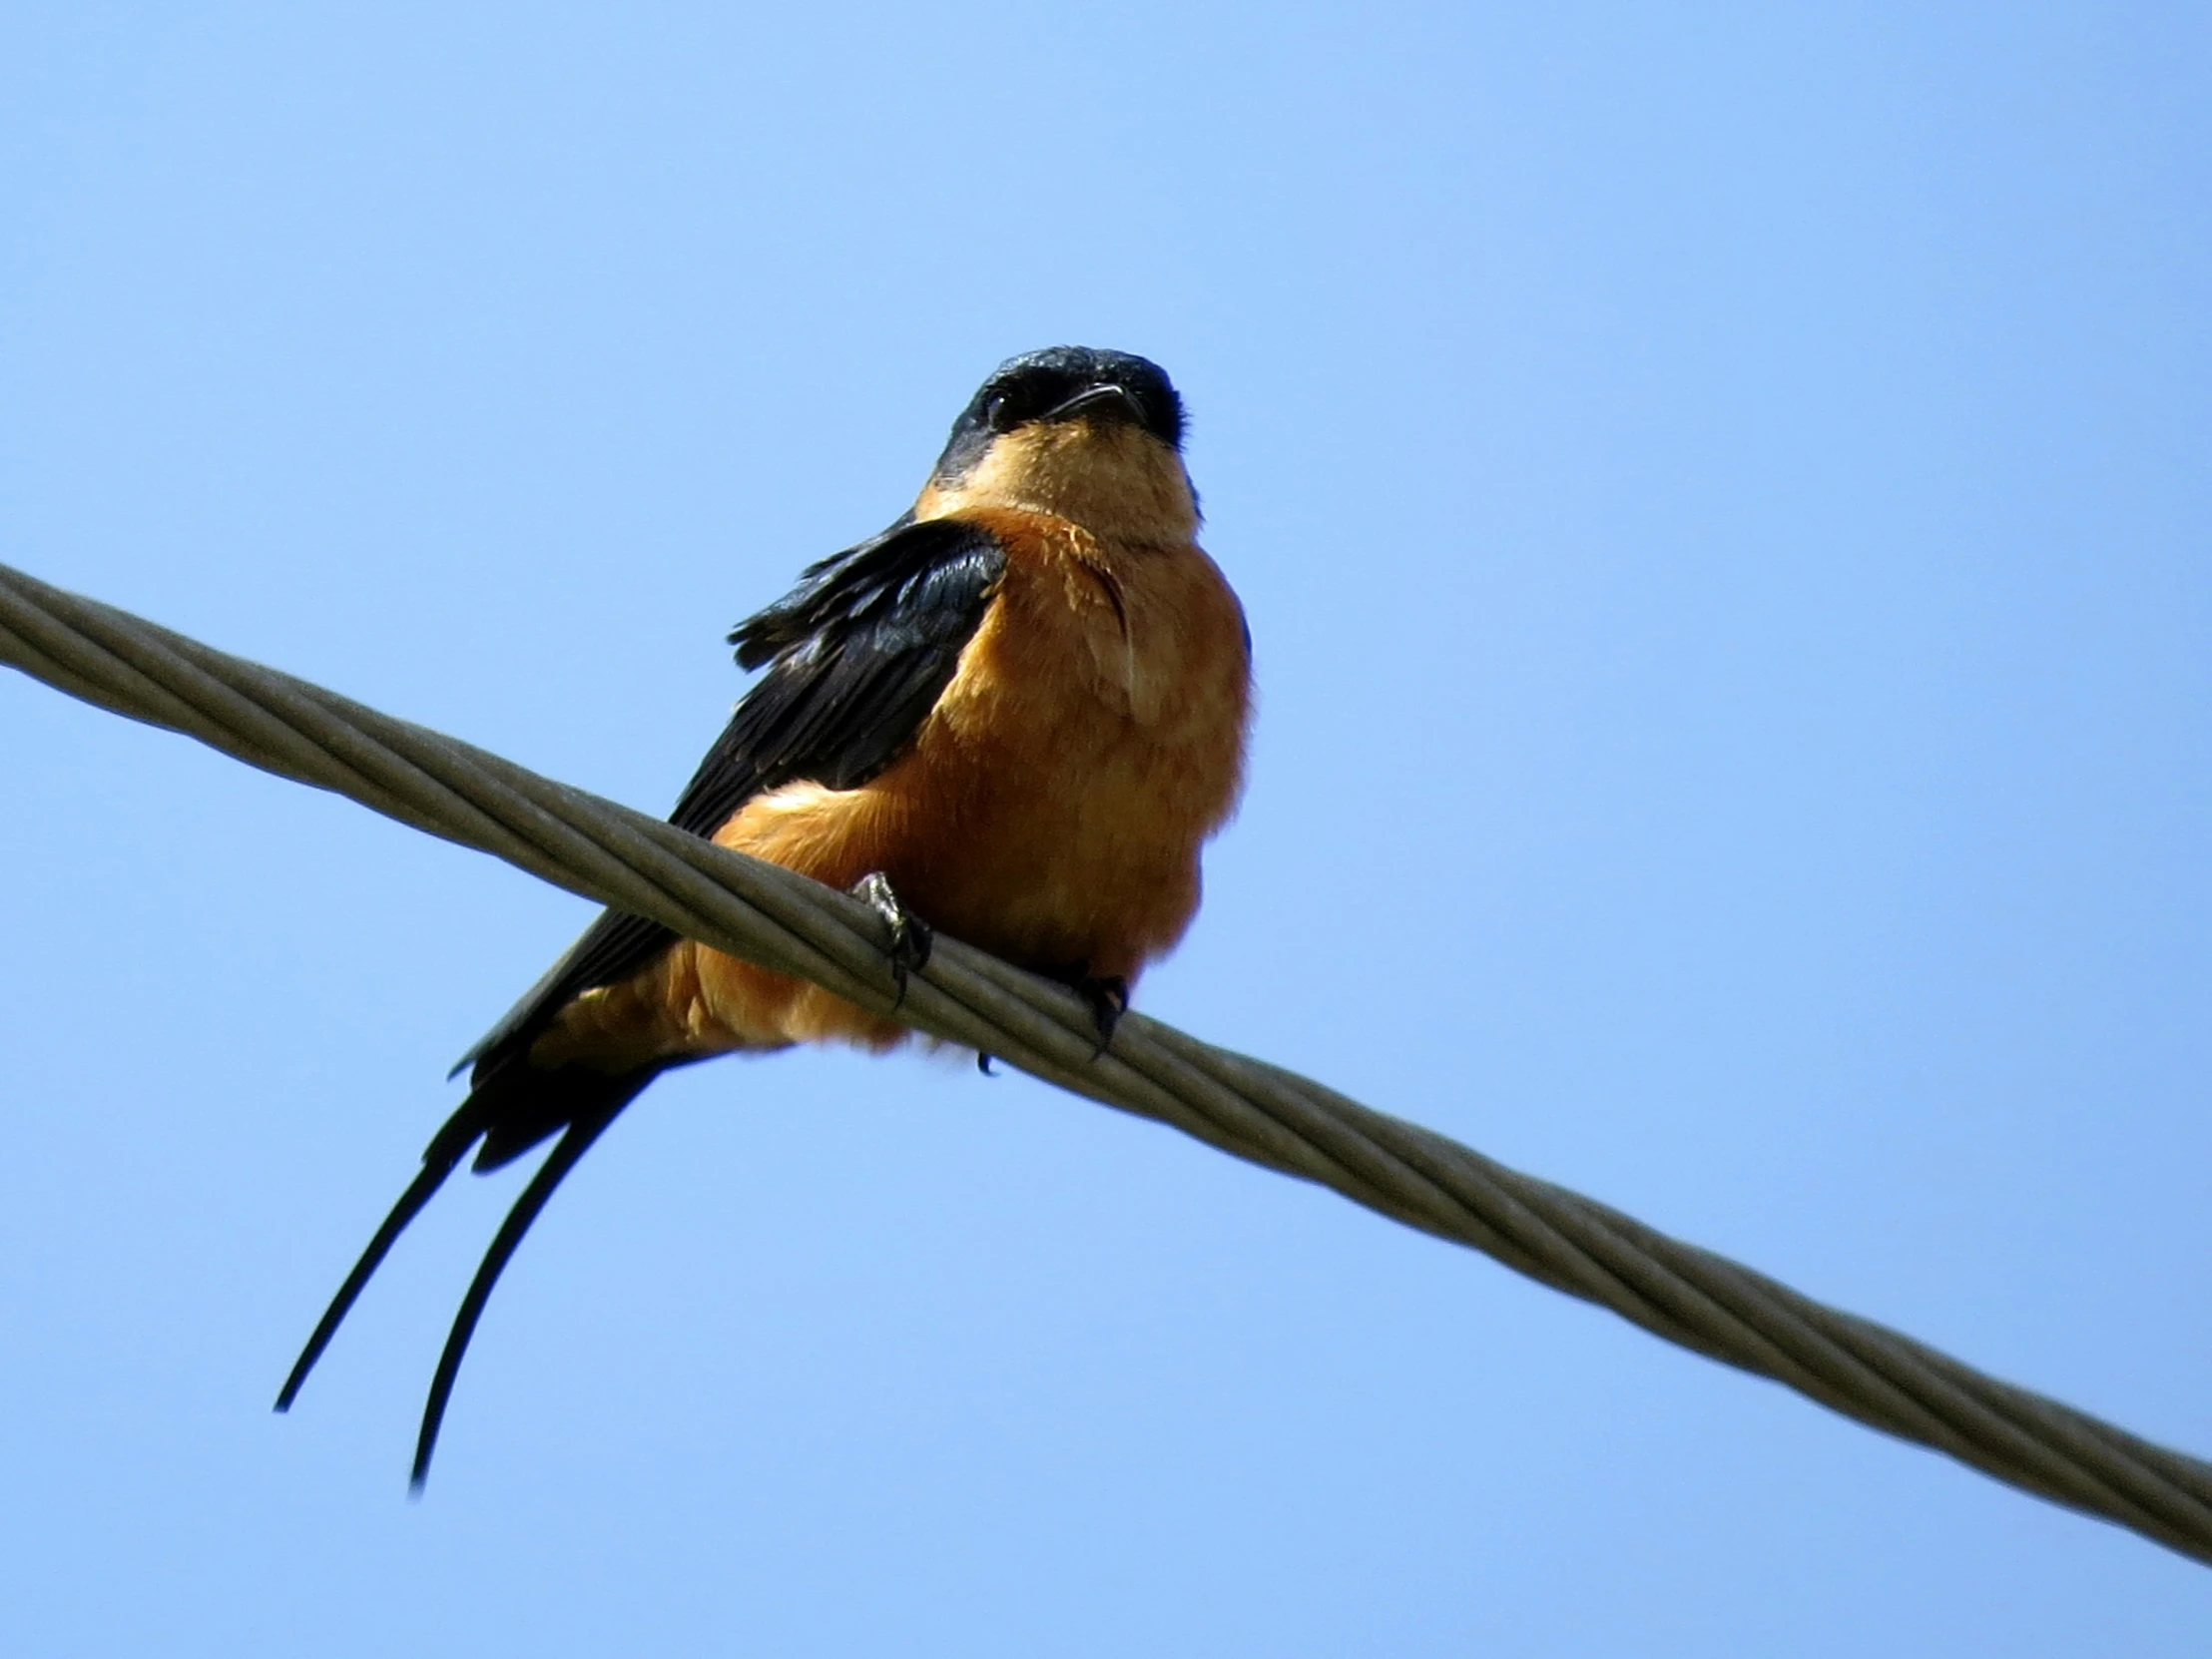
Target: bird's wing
[[857, 655]]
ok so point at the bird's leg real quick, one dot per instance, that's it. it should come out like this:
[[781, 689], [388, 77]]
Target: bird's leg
[[1108, 997], [1105, 994], [912, 937]]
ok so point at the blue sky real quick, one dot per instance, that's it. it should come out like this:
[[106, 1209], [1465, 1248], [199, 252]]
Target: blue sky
[[1721, 499]]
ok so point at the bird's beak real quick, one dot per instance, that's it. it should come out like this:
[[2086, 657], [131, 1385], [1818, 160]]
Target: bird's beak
[[1099, 400]]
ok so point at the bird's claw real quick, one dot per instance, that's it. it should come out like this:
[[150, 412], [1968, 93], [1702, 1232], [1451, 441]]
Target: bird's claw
[[1108, 998], [912, 937]]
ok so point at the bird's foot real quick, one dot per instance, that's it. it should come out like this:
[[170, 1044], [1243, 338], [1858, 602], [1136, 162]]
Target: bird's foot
[[1108, 998], [912, 937]]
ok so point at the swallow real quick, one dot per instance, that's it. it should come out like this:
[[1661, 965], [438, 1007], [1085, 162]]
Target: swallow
[[1015, 716]]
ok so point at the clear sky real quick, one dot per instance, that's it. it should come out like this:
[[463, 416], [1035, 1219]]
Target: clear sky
[[1723, 497]]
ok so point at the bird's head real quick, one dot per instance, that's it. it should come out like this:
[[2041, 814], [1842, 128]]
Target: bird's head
[[1093, 436]]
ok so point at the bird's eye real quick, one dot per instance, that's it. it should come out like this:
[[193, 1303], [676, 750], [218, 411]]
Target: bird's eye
[[995, 414]]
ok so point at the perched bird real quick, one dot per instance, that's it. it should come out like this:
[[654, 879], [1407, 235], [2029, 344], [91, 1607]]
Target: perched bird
[[1014, 716]]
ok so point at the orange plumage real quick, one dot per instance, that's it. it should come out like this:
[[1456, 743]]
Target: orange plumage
[[1024, 705], [1050, 811]]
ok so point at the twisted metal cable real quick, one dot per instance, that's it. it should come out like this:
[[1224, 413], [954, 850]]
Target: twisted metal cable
[[1241, 1106]]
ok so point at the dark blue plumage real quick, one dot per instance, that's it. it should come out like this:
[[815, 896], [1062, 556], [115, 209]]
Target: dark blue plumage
[[857, 653]]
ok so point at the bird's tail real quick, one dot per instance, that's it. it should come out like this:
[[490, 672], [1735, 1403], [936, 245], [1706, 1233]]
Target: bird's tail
[[511, 1107]]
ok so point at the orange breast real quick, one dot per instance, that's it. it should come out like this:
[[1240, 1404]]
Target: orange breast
[[1091, 741], [1050, 811]]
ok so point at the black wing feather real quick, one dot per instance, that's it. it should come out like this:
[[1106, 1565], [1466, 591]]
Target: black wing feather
[[857, 655]]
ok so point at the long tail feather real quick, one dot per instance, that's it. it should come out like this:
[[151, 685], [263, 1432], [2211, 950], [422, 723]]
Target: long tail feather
[[571, 1147], [445, 1150]]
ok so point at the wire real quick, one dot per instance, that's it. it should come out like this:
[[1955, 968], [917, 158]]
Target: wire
[[1241, 1106]]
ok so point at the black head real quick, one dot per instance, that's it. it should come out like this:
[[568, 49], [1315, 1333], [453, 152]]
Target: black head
[[1065, 382]]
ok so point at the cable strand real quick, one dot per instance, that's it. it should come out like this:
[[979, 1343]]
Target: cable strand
[[1241, 1106]]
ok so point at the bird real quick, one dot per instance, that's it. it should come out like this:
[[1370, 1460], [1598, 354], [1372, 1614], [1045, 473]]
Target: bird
[[1014, 716]]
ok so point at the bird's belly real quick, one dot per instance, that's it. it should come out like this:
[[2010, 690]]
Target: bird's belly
[[1061, 827], [1081, 858], [1087, 864]]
